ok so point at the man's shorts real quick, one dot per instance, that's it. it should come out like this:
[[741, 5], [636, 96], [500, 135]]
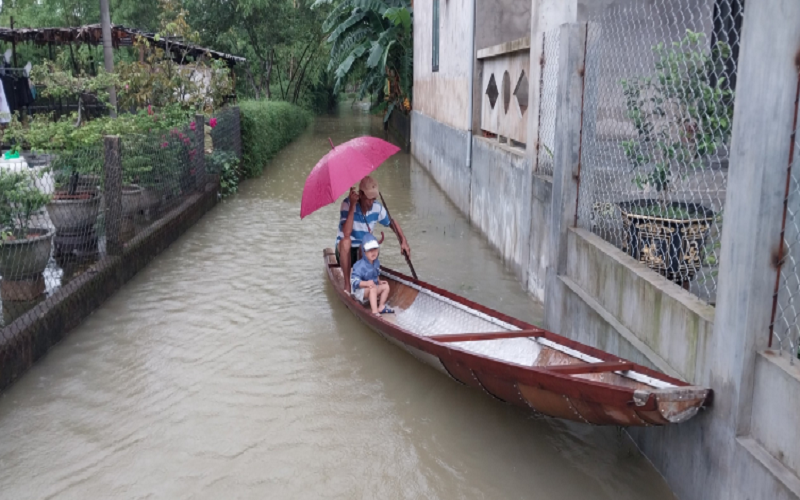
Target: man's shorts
[[353, 256]]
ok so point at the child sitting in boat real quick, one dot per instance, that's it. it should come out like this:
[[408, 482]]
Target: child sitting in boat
[[364, 282]]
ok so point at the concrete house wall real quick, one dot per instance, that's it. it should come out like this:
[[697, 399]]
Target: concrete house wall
[[440, 98], [743, 447]]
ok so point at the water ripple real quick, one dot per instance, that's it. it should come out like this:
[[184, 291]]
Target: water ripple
[[228, 369]]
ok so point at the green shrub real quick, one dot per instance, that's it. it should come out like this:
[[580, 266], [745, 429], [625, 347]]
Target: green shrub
[[268, 126], [226, 165]]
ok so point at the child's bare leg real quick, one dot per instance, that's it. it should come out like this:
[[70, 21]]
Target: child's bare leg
[[373, 299], [384, 289]]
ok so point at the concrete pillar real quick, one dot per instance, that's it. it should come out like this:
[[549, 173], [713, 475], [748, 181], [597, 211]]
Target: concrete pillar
[[566, 160], [764, 108], [545, 15], [112, 192]]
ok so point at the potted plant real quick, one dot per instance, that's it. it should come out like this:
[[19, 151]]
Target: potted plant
[[76, 199], [24, 249], [681, 119], [75, 205]]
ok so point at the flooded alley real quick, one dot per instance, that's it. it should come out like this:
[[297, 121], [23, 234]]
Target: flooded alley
[[229, 369]]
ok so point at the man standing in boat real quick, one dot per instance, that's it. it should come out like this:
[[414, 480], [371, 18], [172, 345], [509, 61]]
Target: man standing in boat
[[360, 211]]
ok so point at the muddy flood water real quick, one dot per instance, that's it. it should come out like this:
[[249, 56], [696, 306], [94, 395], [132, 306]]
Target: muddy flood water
[[229, 369]]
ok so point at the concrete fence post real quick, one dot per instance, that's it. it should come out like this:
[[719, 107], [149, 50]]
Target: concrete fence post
[[566, 158], [112, 192], [200, 155], [764, 107]]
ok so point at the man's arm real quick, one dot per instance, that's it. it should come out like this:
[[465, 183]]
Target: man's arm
[[403, 241], [347, 229]]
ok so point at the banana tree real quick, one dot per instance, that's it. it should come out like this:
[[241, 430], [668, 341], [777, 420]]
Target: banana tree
[[375, 35]]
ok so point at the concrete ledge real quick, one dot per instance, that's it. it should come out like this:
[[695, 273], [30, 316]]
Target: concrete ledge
[[504, 148], [672, 322], [656, 361], [523, 43], [29, 337], [776, 407], [786, 477]]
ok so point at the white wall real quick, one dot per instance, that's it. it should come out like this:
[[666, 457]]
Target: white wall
[[443, 95]]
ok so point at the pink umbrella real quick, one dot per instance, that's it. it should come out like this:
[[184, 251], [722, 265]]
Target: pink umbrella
[[342, 167]]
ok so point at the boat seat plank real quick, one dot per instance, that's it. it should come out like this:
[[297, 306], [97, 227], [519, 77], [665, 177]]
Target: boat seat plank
[[606, 366], [472, 337]]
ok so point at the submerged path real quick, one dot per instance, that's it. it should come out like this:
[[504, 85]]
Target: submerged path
[[228, 369]]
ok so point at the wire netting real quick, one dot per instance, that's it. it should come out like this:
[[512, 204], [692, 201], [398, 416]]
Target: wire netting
[[63, 212], [548, 90], [786, 322], [660, 81], [52, 223]]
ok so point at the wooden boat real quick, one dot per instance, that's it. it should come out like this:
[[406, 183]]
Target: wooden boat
[[519, 363]]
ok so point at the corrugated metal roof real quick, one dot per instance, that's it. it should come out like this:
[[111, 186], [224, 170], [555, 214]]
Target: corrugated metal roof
[[122, 37]]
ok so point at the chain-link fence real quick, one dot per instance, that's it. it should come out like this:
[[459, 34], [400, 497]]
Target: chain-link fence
[[658, 109], [548, 91], [785, 328], [63, 212]]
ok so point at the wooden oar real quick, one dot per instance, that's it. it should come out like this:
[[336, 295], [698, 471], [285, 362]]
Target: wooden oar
[[408, 259]]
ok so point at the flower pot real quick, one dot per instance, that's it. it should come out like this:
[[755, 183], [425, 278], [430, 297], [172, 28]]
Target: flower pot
[[151, 201], [74, 213], [673, 247], [131, 199], [88, 182], [26, 258], [38, 159]]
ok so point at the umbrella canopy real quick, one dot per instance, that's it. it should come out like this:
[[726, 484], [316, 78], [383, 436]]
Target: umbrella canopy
[[342, 167]]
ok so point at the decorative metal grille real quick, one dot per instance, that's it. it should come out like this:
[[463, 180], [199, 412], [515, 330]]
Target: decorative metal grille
[[657, 117], [786, 323], [548, 90]]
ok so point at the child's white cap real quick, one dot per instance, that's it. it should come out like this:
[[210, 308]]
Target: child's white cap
[[371, 244]]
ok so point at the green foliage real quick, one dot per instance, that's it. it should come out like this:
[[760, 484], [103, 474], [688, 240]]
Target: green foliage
[[159, 81], [42, 133], [19, 200], [281, 39], [157, 159], [226, 165], [373, 37], [60, 84], [680, 117], [321, 98], [142, 14], [267, 126]]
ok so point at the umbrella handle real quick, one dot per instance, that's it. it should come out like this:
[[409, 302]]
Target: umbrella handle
[[380, 241]]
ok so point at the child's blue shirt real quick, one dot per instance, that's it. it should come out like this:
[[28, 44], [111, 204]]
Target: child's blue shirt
[[364, 271]]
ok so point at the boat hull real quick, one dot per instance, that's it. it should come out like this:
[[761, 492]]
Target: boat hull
[[531, 368]]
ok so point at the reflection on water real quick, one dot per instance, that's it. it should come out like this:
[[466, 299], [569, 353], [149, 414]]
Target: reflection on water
[[228, 369]]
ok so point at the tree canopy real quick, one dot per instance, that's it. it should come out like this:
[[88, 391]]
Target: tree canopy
[[283, 40]]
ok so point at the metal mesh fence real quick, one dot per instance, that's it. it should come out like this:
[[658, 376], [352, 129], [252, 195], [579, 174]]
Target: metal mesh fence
[[548, 90], [63, 212], [786, 322], [658, 108]]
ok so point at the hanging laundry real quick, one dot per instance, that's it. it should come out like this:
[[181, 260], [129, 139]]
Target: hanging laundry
[[17, 91], [5, 111]]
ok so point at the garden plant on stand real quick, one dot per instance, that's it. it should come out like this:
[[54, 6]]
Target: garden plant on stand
[[25, 247], [681, 120]]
